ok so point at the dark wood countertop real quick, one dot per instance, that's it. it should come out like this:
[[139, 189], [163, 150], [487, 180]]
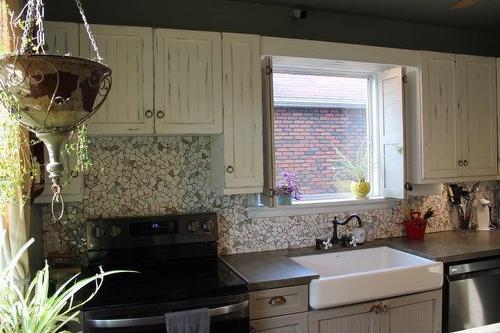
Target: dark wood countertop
[[269, 269], [272, 269], [451, 246]]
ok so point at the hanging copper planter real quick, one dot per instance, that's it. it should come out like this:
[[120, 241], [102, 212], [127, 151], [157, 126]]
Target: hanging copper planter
[[51, 95], [54, 94]]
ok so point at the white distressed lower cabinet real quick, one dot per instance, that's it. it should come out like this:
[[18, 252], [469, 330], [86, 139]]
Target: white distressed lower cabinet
[[280, 310], [417, 313], [284, 310]]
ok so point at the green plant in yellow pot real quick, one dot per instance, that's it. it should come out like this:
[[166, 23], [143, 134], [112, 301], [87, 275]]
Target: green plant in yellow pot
[[355, 169]]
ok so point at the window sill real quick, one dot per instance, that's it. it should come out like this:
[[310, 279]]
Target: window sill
[[322, 207]]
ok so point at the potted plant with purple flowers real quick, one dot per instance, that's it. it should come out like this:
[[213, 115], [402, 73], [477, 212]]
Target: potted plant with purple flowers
[[287, 188]]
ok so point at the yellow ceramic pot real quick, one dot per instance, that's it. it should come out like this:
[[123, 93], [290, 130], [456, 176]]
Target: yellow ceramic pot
[[360, 189]]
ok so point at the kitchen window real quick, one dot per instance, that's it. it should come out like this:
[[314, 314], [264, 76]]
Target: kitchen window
[[315, 110]]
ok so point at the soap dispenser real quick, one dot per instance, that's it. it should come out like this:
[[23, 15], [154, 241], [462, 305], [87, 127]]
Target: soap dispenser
[[483, 214]]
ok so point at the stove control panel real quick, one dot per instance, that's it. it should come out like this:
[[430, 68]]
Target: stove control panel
[[119, 233]]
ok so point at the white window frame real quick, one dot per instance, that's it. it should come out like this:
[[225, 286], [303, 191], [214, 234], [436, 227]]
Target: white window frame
[[372, 135], [331, 204]]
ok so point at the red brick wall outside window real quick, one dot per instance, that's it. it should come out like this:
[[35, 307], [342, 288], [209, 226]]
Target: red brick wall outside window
[[305, 138]]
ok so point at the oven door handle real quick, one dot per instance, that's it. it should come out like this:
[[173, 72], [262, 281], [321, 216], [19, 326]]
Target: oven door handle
[[158, 320]]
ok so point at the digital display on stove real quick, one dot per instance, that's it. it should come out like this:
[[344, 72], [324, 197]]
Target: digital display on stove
[[154, 228]]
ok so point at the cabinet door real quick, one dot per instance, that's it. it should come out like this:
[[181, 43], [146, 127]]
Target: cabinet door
[[357, 318], [477, 101], [419, 313], [242, 113], [128, 51], [440, 116], [498, 114], [62, 38], [188, 82], [296, 323]]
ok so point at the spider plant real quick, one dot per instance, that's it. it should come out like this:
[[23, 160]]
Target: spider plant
[[354, 169], [30, 309]]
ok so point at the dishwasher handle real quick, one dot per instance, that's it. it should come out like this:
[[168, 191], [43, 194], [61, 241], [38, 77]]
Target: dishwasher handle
[[159, 320], [475, 266]]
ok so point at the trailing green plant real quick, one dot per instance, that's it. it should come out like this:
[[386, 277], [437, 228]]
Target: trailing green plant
[[354, 169], [31, 308], [81, 148], [16, 164]]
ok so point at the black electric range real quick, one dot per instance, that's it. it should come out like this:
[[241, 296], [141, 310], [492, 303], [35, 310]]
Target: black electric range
[[177, 267]]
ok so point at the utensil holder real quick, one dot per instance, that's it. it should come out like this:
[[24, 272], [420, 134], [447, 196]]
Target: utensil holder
[[415, 227]]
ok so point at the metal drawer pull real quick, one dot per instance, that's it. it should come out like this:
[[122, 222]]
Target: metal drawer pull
[[148, 114], [466, 163], [277, 300], [460, 163], [385, 308], [230, 169], [375, 308], [159, 320], [160, 114]]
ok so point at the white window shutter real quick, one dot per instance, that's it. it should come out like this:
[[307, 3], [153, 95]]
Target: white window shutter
[[391, 129], [268, 197]]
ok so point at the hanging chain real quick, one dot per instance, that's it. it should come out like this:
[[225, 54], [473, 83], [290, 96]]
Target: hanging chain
[[28, 29], [89, 32], [33, 28], [57, 198], [40, 34]]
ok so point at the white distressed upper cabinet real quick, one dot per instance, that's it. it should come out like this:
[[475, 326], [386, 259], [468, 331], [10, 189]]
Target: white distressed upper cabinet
[[237, 154], [477, 102], [128, 51], [188, 78], [498, 114], [61, 38], [459, 122], [440, 116]]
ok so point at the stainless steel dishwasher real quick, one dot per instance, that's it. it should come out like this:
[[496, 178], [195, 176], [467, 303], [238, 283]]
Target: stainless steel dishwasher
[[473, 290]]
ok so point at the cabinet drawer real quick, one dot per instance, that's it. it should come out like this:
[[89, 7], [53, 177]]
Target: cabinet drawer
[[296, 323], [279, 301]]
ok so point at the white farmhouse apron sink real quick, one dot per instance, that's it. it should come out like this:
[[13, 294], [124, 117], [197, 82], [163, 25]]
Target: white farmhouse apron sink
[[356, 276]]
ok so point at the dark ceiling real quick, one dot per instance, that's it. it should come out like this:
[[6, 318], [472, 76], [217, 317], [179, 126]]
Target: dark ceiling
[[485, 15]]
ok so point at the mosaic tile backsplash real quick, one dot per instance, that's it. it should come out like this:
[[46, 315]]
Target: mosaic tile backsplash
[[140, 176]]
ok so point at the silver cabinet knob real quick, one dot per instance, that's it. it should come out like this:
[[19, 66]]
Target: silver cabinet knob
[[160, 114], [99, 232], [460, 163], [230, 169], [206, 226], [466, 163], [148, 113]]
